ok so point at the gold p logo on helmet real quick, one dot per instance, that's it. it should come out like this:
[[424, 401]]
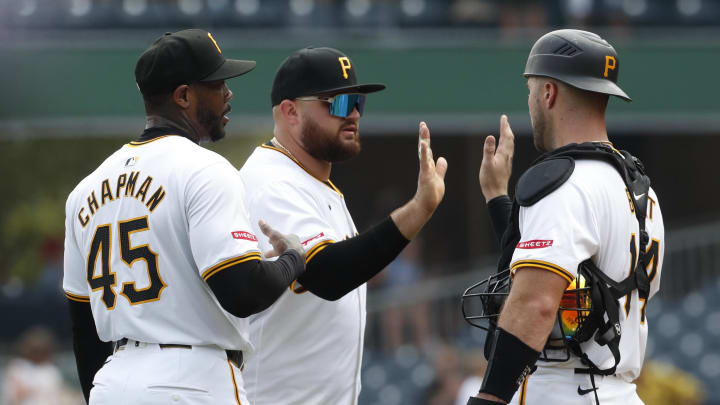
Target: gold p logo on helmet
[[610, 64]]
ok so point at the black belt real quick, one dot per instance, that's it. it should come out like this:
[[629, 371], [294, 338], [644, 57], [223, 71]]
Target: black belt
[[235, 356]]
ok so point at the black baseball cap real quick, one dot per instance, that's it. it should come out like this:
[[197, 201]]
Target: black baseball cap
[[315, 72], [185, 57]]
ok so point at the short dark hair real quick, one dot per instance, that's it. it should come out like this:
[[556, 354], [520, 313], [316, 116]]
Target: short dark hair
[[155, 102]]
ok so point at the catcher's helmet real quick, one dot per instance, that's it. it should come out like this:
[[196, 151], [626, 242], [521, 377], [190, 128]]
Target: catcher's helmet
[[578, 58], [481, 304]]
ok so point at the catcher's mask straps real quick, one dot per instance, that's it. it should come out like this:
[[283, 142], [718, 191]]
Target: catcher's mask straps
[[510, 362]]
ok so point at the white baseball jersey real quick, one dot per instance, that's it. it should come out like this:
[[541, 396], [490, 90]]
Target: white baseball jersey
[[144, 231], [308, 350], [591, 216]]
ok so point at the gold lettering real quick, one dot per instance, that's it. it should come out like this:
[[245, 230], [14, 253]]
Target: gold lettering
[[130, 188], [83, 219], [120, 184], [143, 189], [155, 199], [650, 211], [92, 203], [344, 65], [630, 201], [609, 65], [106, 193]]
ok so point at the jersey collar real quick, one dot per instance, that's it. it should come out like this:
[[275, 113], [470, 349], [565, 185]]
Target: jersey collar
[[153, 133], [269, 145]]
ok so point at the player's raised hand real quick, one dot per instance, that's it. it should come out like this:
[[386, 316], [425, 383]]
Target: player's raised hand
[[496, 165], [411, 217], [280, 242], [431, 180]]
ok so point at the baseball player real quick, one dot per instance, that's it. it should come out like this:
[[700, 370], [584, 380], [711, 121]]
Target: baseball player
[[583, 239], [161, 263], [309, 343]]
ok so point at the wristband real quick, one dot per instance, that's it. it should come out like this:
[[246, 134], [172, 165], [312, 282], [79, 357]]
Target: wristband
[[510, 362]]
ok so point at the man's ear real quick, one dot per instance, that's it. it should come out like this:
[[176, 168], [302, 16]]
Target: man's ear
[[182, 96], [550, 93], [289, 111]]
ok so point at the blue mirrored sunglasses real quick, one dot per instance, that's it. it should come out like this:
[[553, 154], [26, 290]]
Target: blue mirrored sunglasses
[[341, 105]]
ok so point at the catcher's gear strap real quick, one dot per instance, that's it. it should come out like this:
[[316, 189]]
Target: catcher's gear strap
[[509, 363], [90, 351], [479, 401], [499, 209], [542, 179], [251, 286], [344, 266]]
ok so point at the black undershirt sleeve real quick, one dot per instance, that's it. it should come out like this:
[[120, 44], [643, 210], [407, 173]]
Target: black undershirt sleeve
[[250, 287], [343, 266], [90, 351], [500, 209]]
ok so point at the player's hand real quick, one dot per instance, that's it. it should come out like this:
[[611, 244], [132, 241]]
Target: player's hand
[[496, 165], [280, 242], [431, 180]]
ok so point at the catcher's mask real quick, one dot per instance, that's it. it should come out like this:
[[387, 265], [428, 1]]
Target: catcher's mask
[[482, 302]]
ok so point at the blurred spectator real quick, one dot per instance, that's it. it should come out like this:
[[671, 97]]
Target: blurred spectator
[[404, 271], [482, 12], [448, 377], [587, 13], [664, 384], [50, 278], [475, 365], [32, 378], [521, 14]]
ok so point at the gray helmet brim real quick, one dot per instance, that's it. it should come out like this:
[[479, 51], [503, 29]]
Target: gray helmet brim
[[588, 84]]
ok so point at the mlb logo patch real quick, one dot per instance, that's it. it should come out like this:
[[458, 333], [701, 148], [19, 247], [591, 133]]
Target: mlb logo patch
[[244, 235], [131, 161]]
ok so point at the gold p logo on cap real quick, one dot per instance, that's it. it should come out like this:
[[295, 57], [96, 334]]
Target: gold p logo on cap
[[344, 65]]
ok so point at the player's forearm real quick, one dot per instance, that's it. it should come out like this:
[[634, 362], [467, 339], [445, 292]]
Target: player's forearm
[[342, 267], [251, 287], [90, 351], [524, 325], [411, 217], [500, 209]]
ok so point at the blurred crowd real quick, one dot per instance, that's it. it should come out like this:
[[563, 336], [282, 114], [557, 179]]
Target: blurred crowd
[[505, 14], [32, 377]]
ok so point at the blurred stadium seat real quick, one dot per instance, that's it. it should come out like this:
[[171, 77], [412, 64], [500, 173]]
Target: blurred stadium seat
[[70, 14]]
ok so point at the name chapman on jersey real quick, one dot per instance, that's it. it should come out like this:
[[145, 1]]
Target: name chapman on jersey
[[125, 186]]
